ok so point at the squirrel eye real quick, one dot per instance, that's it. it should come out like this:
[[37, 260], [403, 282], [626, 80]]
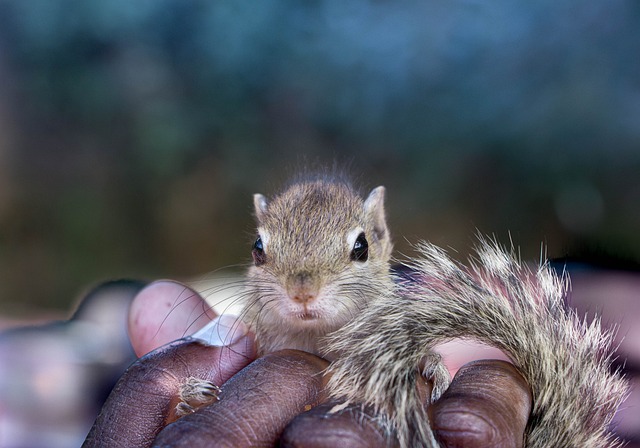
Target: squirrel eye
[[257, 252], [360, 251]]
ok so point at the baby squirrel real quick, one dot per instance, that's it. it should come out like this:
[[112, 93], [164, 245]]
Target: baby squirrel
[[321, 257], [321, 282]]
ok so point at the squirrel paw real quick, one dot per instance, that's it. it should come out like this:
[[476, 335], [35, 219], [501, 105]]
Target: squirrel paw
[[194, 394], [435, 371]]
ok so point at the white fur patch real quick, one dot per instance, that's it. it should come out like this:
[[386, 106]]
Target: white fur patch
[[264, 236], [353, 236]]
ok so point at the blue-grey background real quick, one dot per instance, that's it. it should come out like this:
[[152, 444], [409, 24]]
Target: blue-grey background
[[132, 134]]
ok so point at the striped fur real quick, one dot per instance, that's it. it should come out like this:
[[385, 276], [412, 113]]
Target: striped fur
[[498, 301]]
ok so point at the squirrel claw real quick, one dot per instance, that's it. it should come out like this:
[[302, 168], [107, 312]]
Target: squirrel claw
[[435, 371], [194, 394]]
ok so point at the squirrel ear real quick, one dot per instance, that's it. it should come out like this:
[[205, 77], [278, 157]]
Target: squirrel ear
[[260, 204], [374, 210]]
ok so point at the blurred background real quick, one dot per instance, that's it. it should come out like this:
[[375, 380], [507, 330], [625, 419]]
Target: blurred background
[[132, 134]]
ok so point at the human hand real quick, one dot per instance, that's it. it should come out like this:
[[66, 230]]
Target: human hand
[[487, 404], [258, 402]]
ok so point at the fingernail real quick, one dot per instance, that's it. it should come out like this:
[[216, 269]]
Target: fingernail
[[222, 331]]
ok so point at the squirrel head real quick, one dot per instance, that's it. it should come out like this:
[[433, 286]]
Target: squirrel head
[[319, 251]]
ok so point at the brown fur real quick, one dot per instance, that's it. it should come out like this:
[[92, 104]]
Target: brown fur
[[307, 233], [380, 331], [565, 361]]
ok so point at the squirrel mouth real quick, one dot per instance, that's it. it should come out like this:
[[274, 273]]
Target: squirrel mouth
[[307, 316], [304, 313]]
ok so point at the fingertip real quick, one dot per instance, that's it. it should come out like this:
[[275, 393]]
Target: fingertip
[[353, 426], [164, 311], [487, 404]]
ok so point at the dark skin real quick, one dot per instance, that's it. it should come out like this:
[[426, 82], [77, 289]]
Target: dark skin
[[278, 397]]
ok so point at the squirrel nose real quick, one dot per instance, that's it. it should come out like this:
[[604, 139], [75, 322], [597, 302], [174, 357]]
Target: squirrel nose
[[303, 297], [302, 289]]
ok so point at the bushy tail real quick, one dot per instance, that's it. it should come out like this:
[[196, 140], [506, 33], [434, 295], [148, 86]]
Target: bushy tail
[[498, 301]]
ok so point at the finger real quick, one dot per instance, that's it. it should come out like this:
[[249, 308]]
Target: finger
[[143, 401], [487, 404], [104, 313], [108, 301], [324, 427], [255, 405], [331, 424], [163, 312]]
